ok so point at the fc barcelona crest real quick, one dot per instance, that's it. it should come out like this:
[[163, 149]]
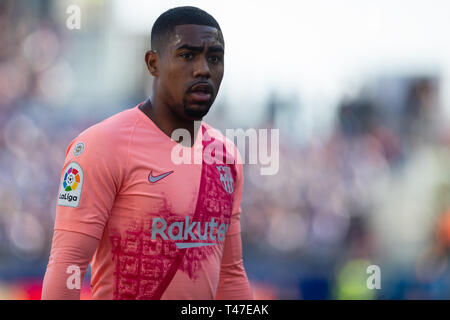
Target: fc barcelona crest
[[226, 178]]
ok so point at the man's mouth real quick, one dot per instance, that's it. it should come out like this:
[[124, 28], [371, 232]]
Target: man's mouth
[[201, 92]]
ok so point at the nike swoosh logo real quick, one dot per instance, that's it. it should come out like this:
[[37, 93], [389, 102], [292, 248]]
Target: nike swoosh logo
[[153, 179]]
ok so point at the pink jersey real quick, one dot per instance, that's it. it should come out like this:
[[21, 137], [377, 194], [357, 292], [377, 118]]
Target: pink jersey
[[162, 226]]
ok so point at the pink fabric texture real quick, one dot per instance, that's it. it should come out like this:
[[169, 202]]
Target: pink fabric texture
[[69, 249], [161, 230]]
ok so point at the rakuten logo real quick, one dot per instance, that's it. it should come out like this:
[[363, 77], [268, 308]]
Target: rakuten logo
[[193, 231]]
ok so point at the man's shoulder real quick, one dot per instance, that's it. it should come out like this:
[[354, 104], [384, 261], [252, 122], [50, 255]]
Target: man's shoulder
[[113, 129], [113, 126], [107, 137]]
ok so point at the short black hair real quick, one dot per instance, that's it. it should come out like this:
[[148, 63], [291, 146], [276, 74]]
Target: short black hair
[[165, 25]]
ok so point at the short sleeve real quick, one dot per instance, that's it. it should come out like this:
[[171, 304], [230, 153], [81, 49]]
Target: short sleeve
[[90, 178]]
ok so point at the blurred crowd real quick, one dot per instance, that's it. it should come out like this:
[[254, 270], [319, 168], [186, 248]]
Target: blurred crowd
[[374, 191]]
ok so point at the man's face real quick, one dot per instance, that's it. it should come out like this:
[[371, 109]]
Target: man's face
[[191, 70]]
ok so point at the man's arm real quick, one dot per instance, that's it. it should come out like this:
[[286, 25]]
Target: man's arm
[[90, 178], [71, 251], [233, 281]]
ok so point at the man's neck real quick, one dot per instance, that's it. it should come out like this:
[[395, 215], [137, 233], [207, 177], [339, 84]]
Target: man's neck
[[167, 121]]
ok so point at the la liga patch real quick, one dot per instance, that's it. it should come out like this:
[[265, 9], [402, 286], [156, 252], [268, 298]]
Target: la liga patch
[[71, 184]]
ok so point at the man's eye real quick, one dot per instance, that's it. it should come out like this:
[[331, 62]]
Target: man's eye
[[187, 56], [214, 59]]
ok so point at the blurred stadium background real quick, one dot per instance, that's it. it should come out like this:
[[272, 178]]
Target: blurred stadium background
[[360, 91]]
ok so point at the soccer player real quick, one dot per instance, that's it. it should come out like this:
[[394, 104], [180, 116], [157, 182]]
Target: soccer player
[[152, 227]]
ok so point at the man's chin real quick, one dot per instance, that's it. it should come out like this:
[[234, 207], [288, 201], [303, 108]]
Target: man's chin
[[196, 111]]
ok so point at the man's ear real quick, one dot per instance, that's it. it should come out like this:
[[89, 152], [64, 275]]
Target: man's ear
[[152, 62]]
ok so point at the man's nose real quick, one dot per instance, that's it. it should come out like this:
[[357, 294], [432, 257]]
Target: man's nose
[[201, 69]]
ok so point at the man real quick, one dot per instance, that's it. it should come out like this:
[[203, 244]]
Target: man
[[152, 227]]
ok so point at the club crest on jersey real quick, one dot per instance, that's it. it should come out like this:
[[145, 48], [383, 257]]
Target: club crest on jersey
[[226, 178], [70, 188]]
